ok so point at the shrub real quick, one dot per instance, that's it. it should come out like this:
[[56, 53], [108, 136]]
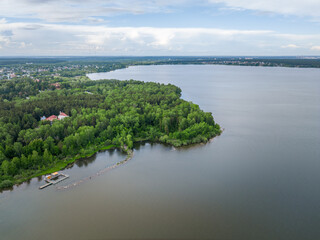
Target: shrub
[[6, 184]]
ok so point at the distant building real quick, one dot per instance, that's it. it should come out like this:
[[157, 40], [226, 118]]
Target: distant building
[[56, 85], [12, 75], [62, 115]]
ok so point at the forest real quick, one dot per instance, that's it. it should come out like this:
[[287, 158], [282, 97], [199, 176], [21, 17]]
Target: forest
[[102, 114]]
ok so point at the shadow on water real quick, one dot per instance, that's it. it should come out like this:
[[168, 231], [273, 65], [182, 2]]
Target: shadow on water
[[86, 161]]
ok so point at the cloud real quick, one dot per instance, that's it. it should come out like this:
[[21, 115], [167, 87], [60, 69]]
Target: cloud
[[5, 36], [32, 26], [21, 38], [7, 33], [3, 21], [89, 10], [290, 46], [78, 10], [67, 39], [309, 8], [316, 48]]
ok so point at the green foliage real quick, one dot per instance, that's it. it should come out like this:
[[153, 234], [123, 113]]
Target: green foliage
[[115, 112], [6, 184]]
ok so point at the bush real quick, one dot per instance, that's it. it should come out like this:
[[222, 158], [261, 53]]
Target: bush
[[6, 184]]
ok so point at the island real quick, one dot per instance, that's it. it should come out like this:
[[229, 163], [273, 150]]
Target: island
[[48, 122]]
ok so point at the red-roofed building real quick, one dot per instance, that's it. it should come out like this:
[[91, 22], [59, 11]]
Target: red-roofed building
[[62, 115], [52, 117], [56, 85]]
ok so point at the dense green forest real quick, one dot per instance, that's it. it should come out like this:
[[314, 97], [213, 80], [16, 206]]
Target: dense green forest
[[103, 114]]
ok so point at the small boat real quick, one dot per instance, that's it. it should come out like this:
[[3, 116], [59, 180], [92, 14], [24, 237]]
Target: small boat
[[54, 178]]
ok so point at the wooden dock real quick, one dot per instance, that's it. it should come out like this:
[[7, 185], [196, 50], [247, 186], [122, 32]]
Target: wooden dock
[[52, 182], [44, 186]]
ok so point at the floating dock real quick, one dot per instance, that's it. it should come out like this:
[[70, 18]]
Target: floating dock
[[52, 182]]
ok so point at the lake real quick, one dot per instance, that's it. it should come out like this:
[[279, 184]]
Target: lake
[[258, 180]]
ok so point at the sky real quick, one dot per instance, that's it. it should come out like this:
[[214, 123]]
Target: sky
[[159, 28]]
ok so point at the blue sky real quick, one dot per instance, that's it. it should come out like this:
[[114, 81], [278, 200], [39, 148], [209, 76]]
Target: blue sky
[[159, 27]]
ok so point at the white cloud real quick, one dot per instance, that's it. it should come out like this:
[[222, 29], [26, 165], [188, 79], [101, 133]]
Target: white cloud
[[77, 10], [298, 37], [4, 39], [3, 20], [67, 39], [290, 46], [23, 45], [316, 48], [95, 10], [309, 8]]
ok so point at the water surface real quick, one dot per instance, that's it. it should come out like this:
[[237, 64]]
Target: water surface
[[258, 180]]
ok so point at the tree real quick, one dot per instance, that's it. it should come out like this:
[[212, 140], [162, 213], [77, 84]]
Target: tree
[[35, 158], [73, 112], [24, 162], [47, 157], [16, 164], [18, 148], [129, 141], [8, 168], [2, 157], [49, 145]]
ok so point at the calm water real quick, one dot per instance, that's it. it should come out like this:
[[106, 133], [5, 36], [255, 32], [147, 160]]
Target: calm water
[[258, 180]]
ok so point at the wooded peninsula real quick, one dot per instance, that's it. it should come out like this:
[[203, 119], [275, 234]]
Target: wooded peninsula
[[98, 115]]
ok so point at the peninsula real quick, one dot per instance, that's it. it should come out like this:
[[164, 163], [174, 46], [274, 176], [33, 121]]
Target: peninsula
[[85, 117]]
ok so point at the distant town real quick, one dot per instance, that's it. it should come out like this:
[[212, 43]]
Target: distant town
[[33, 71], [35, 68]]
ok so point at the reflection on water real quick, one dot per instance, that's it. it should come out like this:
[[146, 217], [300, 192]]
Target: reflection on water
[[258, 180], [85, 162]]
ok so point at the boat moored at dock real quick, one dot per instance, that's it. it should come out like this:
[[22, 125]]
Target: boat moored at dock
[[54, 178]]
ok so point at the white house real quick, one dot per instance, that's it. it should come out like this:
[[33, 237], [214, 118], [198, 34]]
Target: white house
[[62, 115]]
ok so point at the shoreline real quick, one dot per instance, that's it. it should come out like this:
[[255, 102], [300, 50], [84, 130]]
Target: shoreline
[[130, 153], [197, 64]]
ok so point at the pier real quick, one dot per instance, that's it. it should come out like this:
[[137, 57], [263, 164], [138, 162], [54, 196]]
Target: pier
[[53, 182], [44, 186]]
